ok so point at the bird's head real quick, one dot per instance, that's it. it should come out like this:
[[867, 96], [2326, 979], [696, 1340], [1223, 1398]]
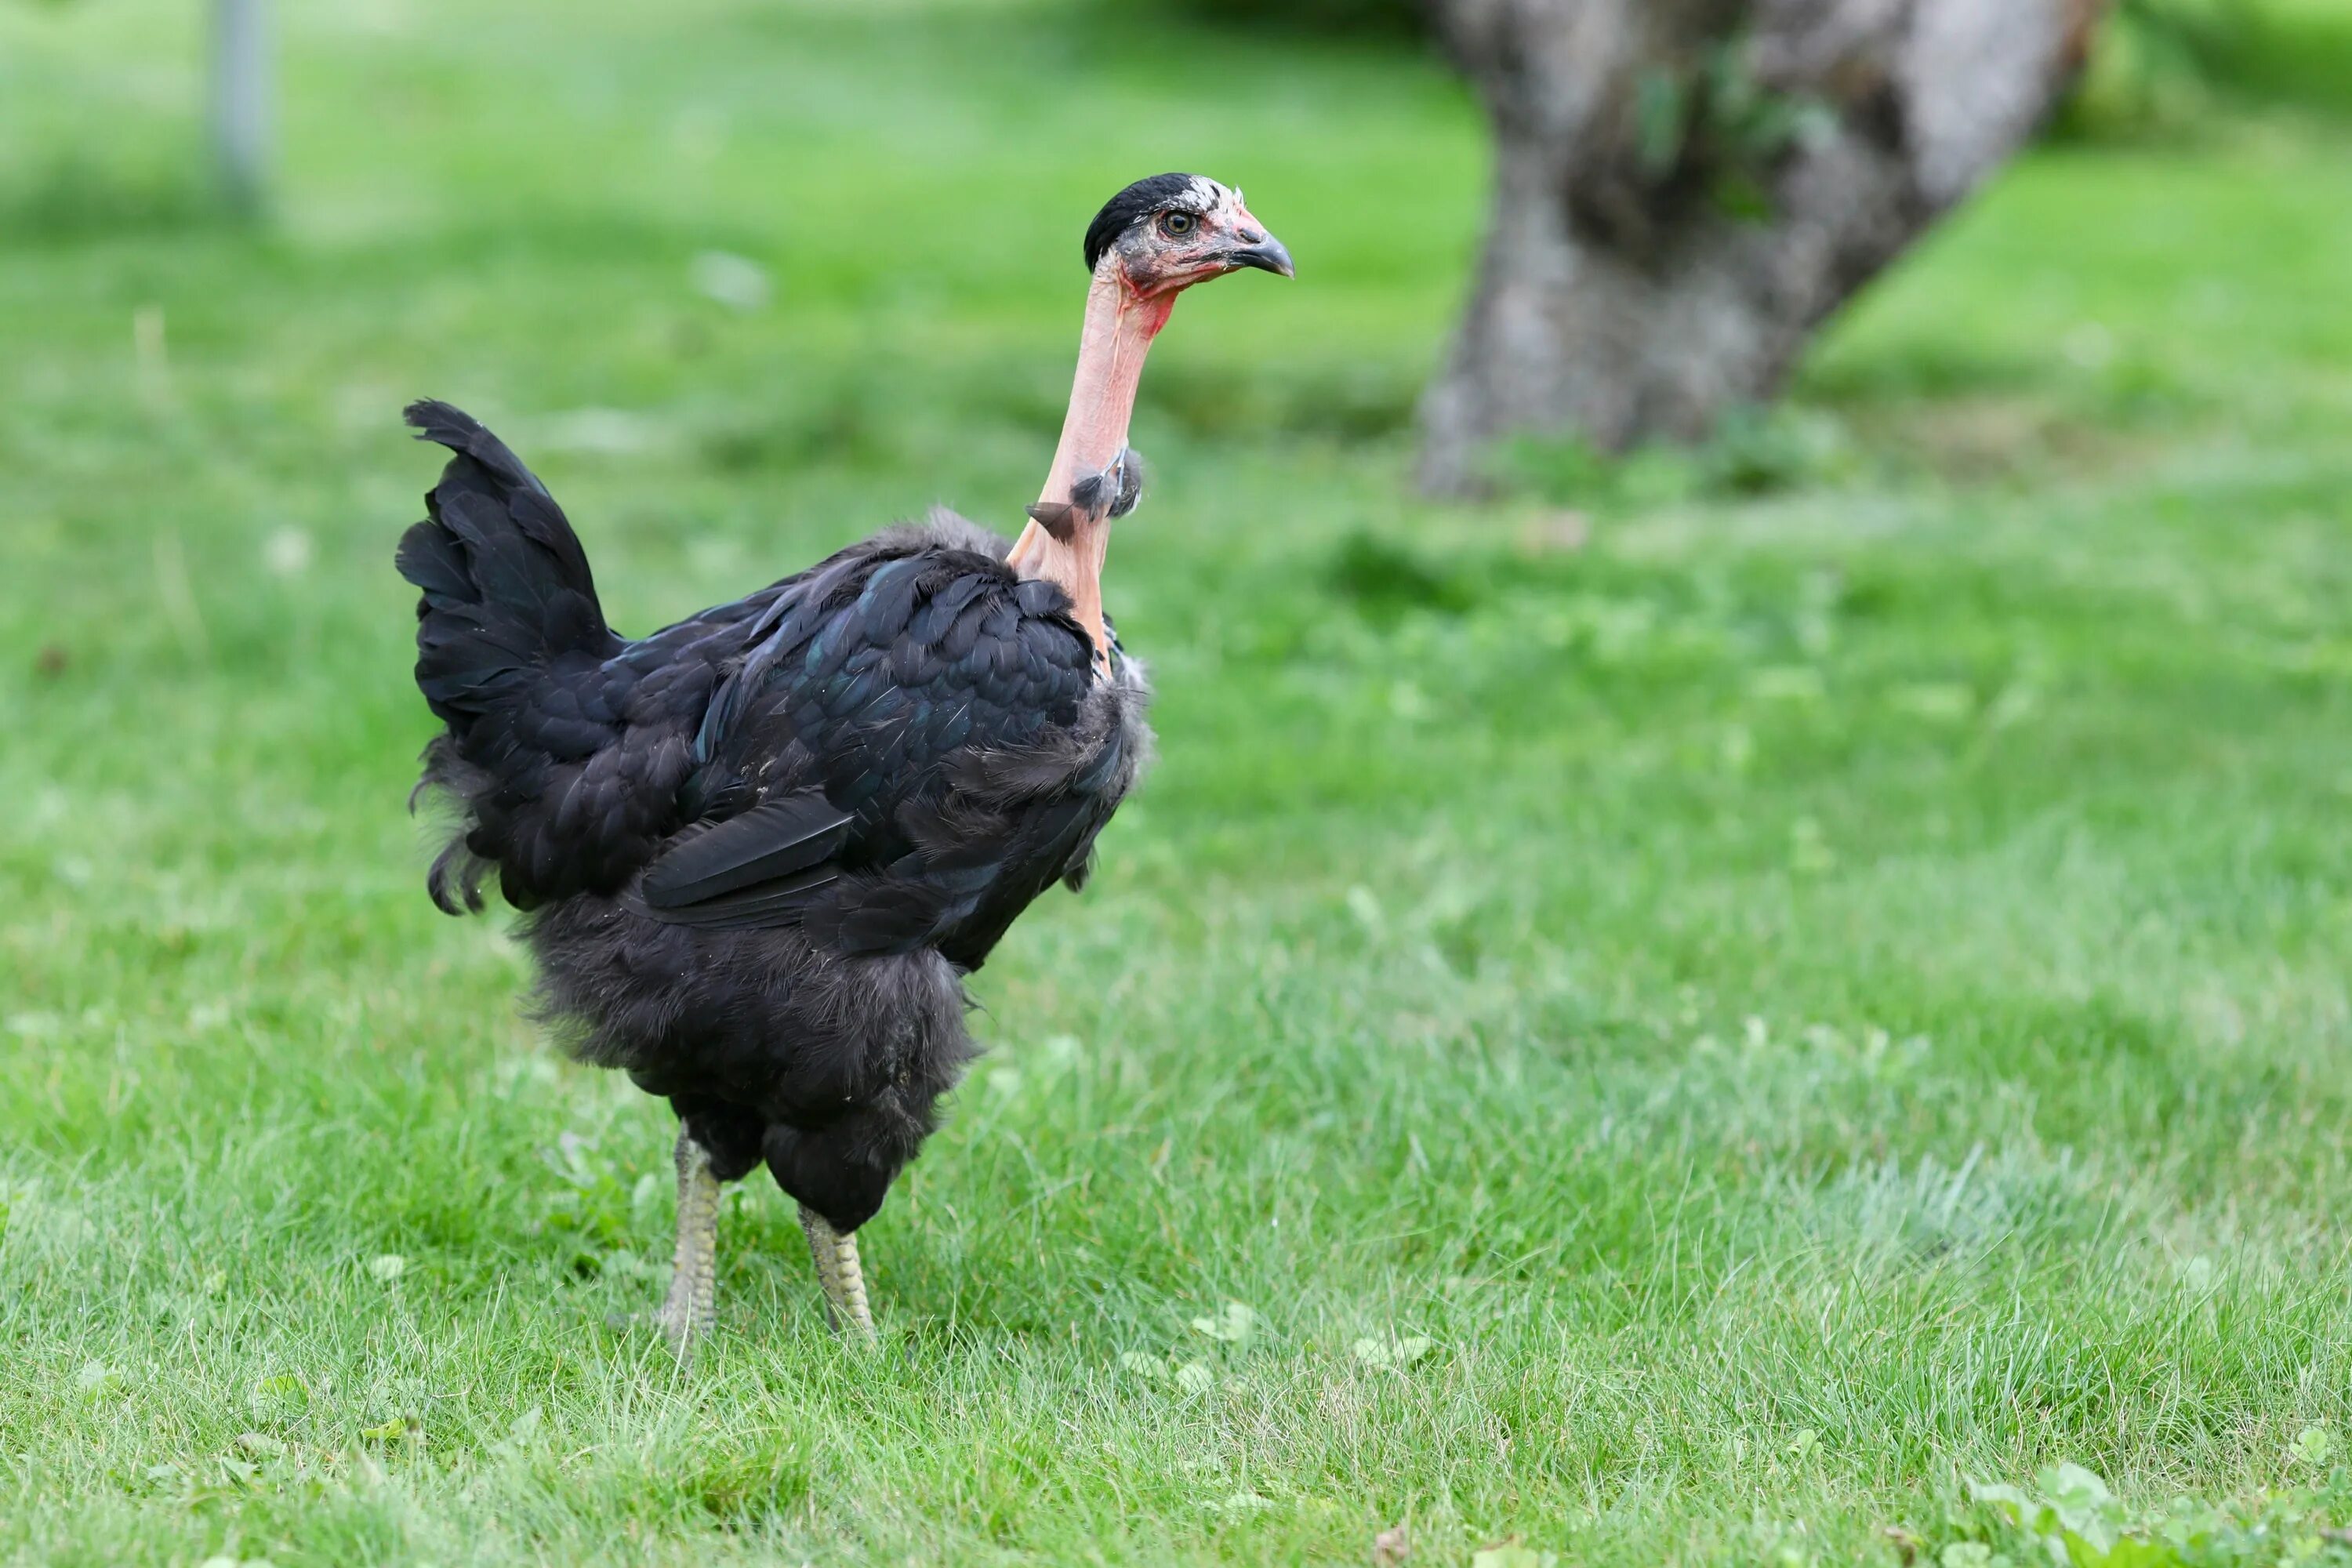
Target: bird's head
[[1165, 234]]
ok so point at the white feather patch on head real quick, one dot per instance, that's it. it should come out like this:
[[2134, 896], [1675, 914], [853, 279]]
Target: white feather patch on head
[[1208, 197]]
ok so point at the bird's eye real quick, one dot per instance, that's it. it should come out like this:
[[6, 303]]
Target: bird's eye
[[1176, 225]]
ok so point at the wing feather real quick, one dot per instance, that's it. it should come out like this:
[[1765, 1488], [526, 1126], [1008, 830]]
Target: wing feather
[[919, 710], [776, 838]]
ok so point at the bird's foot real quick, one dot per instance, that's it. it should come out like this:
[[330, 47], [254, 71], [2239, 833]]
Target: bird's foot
[[680, 1323], [843, 1278]]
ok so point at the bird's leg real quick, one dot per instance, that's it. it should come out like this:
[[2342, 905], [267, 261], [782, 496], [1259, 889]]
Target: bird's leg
[[837, 1271], [688, 1311]]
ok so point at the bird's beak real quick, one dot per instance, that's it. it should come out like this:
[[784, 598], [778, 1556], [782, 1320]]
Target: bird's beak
[[1267, 255], [1254, 245]]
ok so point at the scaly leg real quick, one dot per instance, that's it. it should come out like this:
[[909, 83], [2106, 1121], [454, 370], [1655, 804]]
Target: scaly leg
[[844, 1282], [689, 1312]]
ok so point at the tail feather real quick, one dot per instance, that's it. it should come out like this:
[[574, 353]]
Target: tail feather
[[507, 624], [455, 882], [506, 585], [453, 427], [530, 508]]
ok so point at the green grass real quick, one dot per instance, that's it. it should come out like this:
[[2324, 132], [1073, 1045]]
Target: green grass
[[1831, 987]]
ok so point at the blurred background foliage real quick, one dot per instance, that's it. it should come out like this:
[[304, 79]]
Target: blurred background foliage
[[1401, 19], [2158, 64], [2161, 65]]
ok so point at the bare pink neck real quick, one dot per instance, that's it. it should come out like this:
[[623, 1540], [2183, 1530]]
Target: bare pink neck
[[1120, 327]]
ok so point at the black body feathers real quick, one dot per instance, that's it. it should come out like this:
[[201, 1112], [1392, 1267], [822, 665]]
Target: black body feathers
[[761, 847]]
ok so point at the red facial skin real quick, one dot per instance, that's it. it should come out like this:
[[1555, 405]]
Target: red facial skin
[[1156, 262]]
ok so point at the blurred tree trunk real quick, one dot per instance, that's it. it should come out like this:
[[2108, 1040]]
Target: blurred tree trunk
[[240, 104], [1685, 189]]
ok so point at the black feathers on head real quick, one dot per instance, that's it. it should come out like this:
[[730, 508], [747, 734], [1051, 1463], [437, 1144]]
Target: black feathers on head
[[1140, 199]]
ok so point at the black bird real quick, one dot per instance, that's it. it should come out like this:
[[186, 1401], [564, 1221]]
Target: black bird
[[758, 851]]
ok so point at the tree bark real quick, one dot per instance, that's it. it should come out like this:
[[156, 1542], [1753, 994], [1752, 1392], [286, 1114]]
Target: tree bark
[[1686, 189]]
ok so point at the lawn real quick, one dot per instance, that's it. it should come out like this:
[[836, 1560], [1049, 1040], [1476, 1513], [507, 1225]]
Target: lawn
[[1686, 1015]]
